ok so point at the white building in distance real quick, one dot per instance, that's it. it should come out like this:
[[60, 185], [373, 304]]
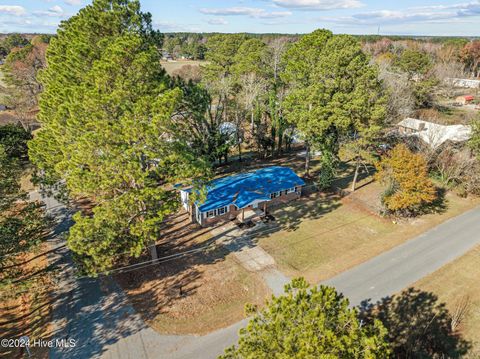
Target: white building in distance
[[434, 134], [466, 83]]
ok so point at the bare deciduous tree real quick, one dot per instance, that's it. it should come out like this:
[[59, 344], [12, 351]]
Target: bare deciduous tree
[[401, 101], [460, 310]]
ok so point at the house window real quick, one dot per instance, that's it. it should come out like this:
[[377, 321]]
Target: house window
[[291, 190], [275, 194], [217, 212]]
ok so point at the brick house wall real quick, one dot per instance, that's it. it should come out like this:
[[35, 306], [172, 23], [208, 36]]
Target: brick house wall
[[233, 212]]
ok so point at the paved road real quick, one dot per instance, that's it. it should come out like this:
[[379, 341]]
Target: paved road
[[405, 264], [106, 326]]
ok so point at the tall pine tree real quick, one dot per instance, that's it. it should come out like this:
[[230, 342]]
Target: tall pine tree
[[108, 131]]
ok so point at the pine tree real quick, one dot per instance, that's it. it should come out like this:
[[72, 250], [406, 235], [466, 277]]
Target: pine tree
[[304, 324], [334, 91], [108, 131]]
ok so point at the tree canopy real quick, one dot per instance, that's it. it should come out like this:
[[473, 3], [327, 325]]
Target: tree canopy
[[107, 114], [334, 91], [405, 175], [22, 223], [308, 323]]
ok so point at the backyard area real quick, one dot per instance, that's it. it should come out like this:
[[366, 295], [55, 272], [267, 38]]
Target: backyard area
[[457, 282]]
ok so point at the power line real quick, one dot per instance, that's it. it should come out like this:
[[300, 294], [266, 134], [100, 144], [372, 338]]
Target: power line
[[149, 263], [127, 252]]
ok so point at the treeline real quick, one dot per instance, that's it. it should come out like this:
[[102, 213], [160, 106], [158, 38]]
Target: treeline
[[192, 45]]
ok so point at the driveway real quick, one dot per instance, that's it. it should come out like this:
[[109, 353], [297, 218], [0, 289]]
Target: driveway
[[104, 324]]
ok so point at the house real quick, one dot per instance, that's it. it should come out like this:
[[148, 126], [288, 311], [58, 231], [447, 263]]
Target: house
[[234, 196], [465, 83], [434, 134], [464, 100], [166, 56]]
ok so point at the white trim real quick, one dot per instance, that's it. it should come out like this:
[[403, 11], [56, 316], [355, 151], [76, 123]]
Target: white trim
[[217, 212]]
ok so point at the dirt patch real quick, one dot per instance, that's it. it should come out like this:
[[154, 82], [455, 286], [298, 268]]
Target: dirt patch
[[25, 307], [173, 66], [197, 292]]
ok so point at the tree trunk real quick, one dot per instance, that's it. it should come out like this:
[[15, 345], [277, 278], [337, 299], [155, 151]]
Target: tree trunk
[[355, 176], [252, 124], [280, 143], [307, 159], [153, 251]]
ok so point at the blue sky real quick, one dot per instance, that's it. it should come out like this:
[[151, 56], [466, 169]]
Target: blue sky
[[420, 17]]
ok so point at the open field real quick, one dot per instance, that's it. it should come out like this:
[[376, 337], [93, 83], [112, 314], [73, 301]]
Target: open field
[[321, 236], [452, 284], [172, 66]]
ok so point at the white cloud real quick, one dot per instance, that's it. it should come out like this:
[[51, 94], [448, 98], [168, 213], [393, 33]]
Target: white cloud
[[218, 21], [245, 11], [73, 2], [318, 4], [54, 11], [12, 10], [429, 14]]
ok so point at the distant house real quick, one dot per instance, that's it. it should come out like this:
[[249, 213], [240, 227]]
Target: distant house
[[166, 56], [233, 196], [465, 83], [464, 100], [434, 134]]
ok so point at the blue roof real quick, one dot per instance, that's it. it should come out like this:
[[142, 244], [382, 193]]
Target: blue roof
[[244, 188]]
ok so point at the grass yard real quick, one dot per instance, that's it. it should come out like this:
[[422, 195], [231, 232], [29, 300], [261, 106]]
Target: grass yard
[[198, 299], [320, 237], [451, 284], [194, 294]]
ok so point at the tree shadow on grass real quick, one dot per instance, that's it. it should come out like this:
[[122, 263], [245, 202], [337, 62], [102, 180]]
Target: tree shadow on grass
[[439, 205], [314, 206], [418, 325]]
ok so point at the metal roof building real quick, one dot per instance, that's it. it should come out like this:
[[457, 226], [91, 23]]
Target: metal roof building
[[245, 189]]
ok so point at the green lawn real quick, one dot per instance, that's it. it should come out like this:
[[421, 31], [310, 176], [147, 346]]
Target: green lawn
[[323, 236]]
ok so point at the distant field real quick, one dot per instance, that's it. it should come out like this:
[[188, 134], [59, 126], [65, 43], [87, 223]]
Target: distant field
[[171, 66]]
